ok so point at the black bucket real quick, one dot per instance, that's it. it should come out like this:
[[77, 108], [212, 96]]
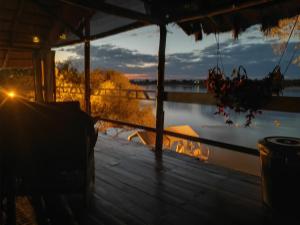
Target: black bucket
[[280, 173]]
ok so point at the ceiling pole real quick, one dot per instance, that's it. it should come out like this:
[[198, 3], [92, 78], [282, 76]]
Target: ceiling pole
[[112, 10], [160, 91], [87, 85], [108, 33]]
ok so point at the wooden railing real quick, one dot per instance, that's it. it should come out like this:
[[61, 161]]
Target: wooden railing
[[125, 93], [282, 104], [109, 92], [232, 147], [277, 103]]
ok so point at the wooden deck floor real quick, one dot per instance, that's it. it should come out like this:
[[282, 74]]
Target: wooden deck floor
[[134, 188]]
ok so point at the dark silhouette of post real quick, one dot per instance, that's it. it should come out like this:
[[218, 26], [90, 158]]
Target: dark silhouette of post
[[37, 68], [160, 90], [49, 75], [87, 85]]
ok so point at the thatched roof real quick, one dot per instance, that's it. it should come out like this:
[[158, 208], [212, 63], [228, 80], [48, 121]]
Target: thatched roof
[[62, 22], [223, 16]]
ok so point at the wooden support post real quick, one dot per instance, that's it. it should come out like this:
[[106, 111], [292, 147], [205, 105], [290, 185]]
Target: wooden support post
[[160, 91], [37, 68], [54, 79], [49, 75], [87, 85]]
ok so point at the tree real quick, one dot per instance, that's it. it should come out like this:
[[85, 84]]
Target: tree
[[110, 105], [70, 87]]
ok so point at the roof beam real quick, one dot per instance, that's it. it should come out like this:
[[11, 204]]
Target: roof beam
[[118, 30], [36, 25], [19, 33], [21, 45], [58, 18], [18, 48], [216, 12], [112, 10]]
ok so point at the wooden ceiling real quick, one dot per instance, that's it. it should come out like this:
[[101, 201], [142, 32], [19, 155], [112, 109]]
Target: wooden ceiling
[[26, 25], [23, 20]]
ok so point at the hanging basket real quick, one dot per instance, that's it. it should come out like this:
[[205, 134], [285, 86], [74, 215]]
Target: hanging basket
[[241, 94]]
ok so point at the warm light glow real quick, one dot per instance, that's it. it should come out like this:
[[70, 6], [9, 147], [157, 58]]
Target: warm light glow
[[35, 39], [11, 94], [63, 36]]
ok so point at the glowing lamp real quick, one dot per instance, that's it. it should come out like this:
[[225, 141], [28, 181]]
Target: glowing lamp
[[11, 94], [36, 39]]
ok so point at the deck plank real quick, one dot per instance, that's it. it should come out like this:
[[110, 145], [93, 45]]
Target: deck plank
[[191, 175], [135, 188]]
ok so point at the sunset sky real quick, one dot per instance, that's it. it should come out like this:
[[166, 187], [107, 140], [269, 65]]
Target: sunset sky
[[135, 54]]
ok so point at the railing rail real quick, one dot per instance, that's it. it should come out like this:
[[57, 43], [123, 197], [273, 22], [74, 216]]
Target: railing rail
[[232, 147], [281, 104], [110, 92], [277, 103]]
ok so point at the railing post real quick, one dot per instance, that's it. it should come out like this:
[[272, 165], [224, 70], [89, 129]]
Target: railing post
[[87, 85], [160, 90]]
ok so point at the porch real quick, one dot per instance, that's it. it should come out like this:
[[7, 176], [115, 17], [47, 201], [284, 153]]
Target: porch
[[134, 187]]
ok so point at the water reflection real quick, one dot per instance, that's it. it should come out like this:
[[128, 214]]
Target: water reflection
[[208, 125]]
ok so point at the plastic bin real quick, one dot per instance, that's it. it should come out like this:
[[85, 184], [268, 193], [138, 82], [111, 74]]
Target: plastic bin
[[280, 173]]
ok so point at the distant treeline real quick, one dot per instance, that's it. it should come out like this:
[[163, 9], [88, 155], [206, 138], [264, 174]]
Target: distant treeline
[[292, 83], [201, 83], [170, 82]]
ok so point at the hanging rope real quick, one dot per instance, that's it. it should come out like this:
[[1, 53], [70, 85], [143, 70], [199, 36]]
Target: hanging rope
[[290, 61], [288, 40], [217, 50], [219, 56], [295, 49]]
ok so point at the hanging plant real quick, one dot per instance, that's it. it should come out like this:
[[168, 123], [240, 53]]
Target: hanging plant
[[242, 94]]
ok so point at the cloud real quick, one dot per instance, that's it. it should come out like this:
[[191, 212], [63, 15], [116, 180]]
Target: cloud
[[112, 57], [258, 59]]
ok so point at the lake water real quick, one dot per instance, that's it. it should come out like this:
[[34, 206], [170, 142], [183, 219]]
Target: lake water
[[211, 126]]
